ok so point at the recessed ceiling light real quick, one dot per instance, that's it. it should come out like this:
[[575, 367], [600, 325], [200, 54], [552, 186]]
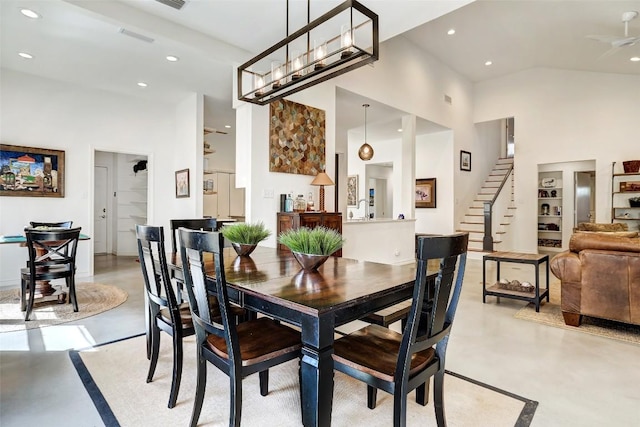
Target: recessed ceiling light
[[451, 32], [400, 130], [142, 84], [635, 59], [227, 126], [488, 63], [25, 55], [30, 13], [172, 58]]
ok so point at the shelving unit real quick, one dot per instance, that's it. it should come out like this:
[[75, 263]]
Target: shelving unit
[[550, 210], [623, 187]]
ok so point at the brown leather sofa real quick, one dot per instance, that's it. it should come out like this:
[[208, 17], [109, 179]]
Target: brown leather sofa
[[600, 277]]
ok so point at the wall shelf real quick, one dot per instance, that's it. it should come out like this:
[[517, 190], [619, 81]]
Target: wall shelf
[[621, 197]]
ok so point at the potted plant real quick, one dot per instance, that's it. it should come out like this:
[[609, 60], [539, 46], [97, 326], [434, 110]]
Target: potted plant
[[244, 237], [634, 202], [311, 247]]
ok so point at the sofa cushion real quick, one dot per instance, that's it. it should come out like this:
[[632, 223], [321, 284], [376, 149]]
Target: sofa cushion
[[592, 226], [613, 233], [581, 241]]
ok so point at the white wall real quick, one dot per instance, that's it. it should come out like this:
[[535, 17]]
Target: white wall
[[433, 154], [563, 116], [45, 113]]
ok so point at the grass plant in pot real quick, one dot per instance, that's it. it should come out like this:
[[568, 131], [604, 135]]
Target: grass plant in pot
[[311, 247], [244, 237]]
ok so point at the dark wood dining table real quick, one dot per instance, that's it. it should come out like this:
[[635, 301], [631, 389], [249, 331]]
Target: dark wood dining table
[[271, 282]]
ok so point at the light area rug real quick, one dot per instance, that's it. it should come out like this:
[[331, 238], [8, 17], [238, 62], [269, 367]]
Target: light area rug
[[551, 314], [114, 375], [93, 298]]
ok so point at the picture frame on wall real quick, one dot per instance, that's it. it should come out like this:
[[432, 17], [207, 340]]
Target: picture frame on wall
[[31, 171], [182, 183], [352, 190], [465, 161], [425, 193]]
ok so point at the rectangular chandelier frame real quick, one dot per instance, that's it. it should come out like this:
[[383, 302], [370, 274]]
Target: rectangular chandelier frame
[[261, 85]]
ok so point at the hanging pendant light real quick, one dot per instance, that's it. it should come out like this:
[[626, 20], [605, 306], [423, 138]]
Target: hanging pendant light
[[366, 151]]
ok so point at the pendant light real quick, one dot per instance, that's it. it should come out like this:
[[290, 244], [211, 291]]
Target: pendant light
[[366, 151]]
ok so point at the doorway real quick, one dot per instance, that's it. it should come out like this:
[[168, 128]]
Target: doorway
[[100, 201]]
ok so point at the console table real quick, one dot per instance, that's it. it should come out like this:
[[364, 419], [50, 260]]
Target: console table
[[518, 258]]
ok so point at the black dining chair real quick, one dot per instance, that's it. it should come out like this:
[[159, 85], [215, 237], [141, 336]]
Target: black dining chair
[[52, 255], [61, 224], [399, 363], [237, 350], [164, 311]]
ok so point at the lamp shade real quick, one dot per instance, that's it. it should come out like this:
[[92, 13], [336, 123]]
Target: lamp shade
[[322, 179]]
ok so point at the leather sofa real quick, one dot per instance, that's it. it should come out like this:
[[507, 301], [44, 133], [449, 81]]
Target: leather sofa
[[600, 277]]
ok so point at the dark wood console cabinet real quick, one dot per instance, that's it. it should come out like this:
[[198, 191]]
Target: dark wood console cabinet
[[289, 220]]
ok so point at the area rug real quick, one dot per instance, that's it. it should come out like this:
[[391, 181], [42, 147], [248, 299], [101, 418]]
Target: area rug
[[114, 375], [551, 314], [93, 298]]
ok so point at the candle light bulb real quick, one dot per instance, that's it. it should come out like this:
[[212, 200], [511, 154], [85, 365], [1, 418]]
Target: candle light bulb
[[258, 83], [276, 74], [346, 41], [297, 63], [320, 51]]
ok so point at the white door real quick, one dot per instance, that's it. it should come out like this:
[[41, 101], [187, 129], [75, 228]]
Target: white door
[[100, 211]]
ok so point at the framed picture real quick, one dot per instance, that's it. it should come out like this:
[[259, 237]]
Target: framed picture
[[352, 190], [425, 193], [31, 172], [465, 160], [182, 183]]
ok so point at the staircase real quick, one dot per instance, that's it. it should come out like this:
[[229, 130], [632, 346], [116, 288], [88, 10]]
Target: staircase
[[473, 221]]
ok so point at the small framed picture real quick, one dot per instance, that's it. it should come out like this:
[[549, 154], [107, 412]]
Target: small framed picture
[[352, 190], [182, 183], [425, 194], [465, 161]]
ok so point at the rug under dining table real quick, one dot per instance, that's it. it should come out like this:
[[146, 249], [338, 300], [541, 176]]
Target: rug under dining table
[[114, 375]]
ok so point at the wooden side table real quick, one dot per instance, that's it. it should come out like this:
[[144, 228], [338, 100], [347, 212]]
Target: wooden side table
[[518, 258]]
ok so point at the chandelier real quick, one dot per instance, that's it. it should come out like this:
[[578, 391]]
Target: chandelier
[[341, 40]]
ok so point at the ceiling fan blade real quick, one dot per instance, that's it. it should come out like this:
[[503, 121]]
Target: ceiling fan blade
[[624, 42], [604, 39], [609, 52]]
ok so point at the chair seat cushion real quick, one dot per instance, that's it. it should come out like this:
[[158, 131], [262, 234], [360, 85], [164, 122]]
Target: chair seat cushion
[[374, 350], [260, 339]]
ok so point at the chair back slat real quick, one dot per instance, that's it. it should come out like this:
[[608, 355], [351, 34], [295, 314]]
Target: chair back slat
[[61, 224], [204, 224], [194, 245], [434, 302], [58, 248], [155, 272]]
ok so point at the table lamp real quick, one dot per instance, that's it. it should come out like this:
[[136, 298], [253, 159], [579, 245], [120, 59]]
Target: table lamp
[[322, 179]]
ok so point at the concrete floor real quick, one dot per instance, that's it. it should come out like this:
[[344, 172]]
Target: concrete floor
[[579, 379]]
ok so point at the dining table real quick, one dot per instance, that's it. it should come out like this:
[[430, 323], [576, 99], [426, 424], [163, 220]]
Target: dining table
[[270, 281]]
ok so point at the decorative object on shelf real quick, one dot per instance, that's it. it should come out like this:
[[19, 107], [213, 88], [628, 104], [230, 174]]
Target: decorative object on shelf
[[311, 247], [31, 172], [631, 166], [299, 204], [244, 237], [356, 45], [634, 202], [352, 190], [544, 209], [425, 193], [543, 193], [554, 193], [515, 285], [322, 179], [365, 152], [140, 166], [629, 186], [465, 160], [182, 184], [548, 182], [296, 138]]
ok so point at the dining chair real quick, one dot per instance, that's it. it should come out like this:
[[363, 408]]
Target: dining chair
[[163, 310], [61, 224], [52, 255], [399, 363], [237, 350]]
